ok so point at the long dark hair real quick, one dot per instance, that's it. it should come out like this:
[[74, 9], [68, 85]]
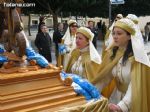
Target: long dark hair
[[128, 52]]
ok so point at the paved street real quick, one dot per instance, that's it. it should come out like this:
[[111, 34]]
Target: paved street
[[99, 45]]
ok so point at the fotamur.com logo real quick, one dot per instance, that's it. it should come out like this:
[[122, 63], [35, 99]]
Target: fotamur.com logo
[[18, 4]]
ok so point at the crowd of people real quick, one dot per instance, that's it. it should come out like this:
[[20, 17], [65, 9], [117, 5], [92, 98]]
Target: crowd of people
[[121, 74]]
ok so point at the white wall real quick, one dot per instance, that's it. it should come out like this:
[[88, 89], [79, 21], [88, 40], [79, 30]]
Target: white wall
[[143, 20]]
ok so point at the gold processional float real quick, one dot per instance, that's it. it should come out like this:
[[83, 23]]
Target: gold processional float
[[28, 88]]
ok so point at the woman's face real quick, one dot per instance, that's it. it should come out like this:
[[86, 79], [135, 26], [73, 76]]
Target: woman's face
[[121, 37], [61, 26], [81, 41], [73, 28], [91, 24], [44, 29]]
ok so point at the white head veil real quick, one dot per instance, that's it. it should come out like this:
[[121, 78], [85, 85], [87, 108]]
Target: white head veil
[[67, 35], [94, 56], [138, 47], [135, 19], [68, 39]]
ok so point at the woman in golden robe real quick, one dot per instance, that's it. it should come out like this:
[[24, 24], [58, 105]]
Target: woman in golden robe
[[85, 62], [84, 59], [124, 73], [69, 40]]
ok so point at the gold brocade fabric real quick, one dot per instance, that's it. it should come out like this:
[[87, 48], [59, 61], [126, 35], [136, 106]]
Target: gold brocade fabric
[[89, 68], [97, 106], [105, 69], [106, 92], [140, 80]]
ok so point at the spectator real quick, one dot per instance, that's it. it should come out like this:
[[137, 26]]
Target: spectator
[[99, 27], [91, 24], [149, 31], [41, 19], [104, 28], [57, 37], [65, 26], [43, 43]]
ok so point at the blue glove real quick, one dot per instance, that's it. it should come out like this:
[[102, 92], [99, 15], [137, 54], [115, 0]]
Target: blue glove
[[32, 55], [42, 61], [2, 49], [92, 90], [3, 59], [63, 49], [86, 88], [79, 90]]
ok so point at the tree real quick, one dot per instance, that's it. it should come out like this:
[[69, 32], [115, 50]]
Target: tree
[[29, 21], [53, 7], [89, 8]]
